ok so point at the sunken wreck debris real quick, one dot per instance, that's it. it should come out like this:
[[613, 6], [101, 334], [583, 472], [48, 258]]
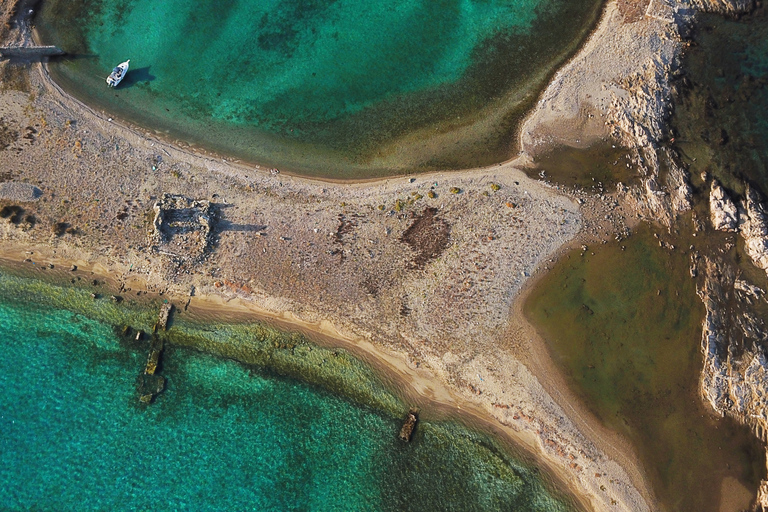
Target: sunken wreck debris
[[182, 227], [409, 425], [150, 383], [164, 317]]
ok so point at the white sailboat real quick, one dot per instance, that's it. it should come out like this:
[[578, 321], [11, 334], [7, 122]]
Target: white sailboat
[[118, 74]]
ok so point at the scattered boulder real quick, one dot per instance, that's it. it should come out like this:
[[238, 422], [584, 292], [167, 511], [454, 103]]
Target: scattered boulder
[[722, 210]]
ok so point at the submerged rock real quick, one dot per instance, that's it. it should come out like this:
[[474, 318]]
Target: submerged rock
[[149, 386], [722, 210]]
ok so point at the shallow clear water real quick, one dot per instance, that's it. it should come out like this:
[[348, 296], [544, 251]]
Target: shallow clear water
[[224, 435], [327, 87]]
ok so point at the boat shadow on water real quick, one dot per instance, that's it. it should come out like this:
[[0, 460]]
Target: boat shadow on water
[[135, 76]]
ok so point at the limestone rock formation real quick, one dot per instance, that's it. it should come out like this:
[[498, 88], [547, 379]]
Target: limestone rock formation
[[754, 228], [726, 7], [735, 377], [722, 210], [735, 347]]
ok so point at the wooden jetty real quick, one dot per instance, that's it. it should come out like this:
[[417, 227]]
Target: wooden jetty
[[29, 52]]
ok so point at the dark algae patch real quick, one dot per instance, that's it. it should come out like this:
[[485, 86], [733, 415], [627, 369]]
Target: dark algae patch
[[342, 89], [251, 418], [625, 326], [428, 236]]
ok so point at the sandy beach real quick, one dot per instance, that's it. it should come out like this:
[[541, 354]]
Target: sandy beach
[[423, 277]]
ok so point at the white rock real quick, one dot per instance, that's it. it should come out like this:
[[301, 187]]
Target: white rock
[[754, 228], [722, 210]]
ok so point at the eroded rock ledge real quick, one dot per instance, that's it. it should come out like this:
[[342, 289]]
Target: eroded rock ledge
[[623, 83], [750, 220]]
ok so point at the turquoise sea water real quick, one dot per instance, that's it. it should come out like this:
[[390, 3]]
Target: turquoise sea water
[[224, 435], [333, 87]]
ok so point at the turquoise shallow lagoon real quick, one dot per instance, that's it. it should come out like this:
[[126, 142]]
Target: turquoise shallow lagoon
[[340, 88], [224, 435]]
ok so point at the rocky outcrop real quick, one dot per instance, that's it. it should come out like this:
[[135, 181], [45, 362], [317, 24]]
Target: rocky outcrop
[[734, 344], [725, 7], [714, 340], [735, 376], [749, 219], [654, 200], [722, 210], [754, 228], [638, 114]]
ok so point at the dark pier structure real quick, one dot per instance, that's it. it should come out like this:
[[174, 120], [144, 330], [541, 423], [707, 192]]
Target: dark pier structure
[[150, 383], [29, 52]]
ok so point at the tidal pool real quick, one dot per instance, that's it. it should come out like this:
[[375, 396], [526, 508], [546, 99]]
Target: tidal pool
[[624, 324], [335, 88]]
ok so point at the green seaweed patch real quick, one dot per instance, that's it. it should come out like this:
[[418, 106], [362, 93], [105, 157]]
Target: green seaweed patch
[[284, 353], [474, 471], [290, 355], [35, 293]]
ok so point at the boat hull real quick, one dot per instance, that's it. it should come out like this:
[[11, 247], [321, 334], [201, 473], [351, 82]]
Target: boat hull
[[118, 73]]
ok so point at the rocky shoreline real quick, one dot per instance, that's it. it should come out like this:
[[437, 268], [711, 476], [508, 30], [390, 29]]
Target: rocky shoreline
[[635, 101]]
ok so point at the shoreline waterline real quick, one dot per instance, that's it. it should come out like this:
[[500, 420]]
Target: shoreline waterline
[[411, 144], [121, 128], [659, 411], [413, 386]]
